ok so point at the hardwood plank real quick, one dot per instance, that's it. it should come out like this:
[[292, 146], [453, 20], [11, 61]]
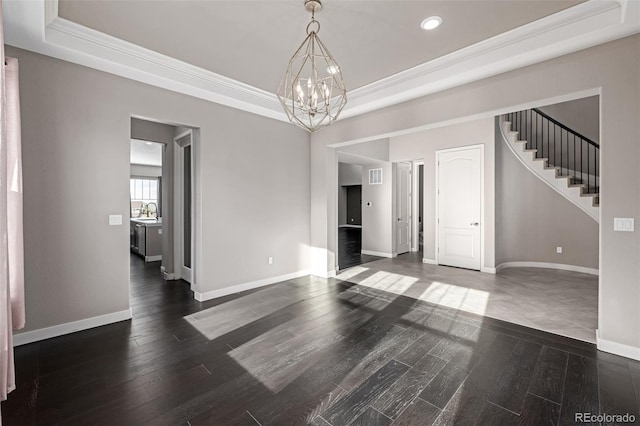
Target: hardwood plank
[[580, 389], [511, 387], [419, 412], [356, 402], [538, 411], [379, 352], [492, 415], [371, 417], [400, 395], [616, 393], [634, 370], [418, 349], [440, 390], [467, 403], [299, 403], [548, 377]]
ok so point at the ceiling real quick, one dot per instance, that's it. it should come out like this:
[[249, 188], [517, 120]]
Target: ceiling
[[251, 41], [146, 153], [233, 52]]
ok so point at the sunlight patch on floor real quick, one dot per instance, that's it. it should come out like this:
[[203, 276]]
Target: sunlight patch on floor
[[351, 272], [457, 297], [387, 281]]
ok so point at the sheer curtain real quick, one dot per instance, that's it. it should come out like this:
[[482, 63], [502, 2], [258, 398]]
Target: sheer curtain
[[11, 242]]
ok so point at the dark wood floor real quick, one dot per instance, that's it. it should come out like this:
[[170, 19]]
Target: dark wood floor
[[311, 351]]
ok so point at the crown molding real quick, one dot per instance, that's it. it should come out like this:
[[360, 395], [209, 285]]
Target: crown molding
[[35, 26]]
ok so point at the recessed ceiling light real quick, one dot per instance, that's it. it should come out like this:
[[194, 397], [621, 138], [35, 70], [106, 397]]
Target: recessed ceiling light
[[332, 69], [149, 143], [431, 22]]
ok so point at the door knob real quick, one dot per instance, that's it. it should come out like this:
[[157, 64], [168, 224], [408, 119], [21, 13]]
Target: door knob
[[474, 224]]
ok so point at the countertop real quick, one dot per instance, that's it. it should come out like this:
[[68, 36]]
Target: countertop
[[147, 221]]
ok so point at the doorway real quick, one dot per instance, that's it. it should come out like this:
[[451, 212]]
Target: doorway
[[145, 188], [403, 208], [183, 224], [459, 207]]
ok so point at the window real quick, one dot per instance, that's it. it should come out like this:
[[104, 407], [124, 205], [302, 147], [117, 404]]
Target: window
[[145, 195]]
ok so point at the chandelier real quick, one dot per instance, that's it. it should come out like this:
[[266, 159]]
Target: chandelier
[[312, 91]]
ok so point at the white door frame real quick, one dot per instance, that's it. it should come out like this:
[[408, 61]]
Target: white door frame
[[178, 239], [482, 221], [415, 203]]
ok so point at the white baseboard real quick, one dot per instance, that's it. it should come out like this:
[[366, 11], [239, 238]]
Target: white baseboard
[[429, 261], [617, 348], [379, 254], [70, 327], [561, 266], [153, 258], [488, 270], [214, 294]]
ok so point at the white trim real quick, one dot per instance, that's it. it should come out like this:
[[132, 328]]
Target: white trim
[[617, 348], [34, 25], [350, 226], [153, 258], [214, 294], [379, 253], [576, 28], [415, 203], [559, 266], [181, 271], [429, 261], [488, 269], [70, 327], [166, 276]]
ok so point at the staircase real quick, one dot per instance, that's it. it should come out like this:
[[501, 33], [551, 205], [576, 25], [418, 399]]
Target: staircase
[[561, 157]]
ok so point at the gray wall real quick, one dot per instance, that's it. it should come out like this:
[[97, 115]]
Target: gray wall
[[532, 219], [610, 70], [423, 145], [377, 219], [348, 174], [145, 171], [376, 149], [254, 189], [581, 115]]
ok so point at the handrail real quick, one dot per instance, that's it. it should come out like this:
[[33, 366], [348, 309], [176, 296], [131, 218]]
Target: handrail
[[573, 154], [557, 123]]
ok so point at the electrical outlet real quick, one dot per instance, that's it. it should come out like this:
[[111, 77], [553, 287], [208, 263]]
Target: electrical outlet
[[115, 219], [270, 260], [558, 249]]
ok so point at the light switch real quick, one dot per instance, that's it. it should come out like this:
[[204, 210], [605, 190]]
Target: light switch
[[115, 219], [624, 224]]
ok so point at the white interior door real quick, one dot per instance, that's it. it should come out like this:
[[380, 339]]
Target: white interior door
[[403, 208], [184, 238], [459, 207]]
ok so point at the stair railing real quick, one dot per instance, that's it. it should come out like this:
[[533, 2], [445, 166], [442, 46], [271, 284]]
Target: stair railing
[[570, 152]]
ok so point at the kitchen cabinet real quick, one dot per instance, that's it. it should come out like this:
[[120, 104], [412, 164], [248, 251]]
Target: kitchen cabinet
[[146, 238]]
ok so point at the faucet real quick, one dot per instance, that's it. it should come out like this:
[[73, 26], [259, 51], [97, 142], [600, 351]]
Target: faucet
[[155, 209]]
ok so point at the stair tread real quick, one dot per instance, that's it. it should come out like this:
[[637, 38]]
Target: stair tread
[[572, 181]]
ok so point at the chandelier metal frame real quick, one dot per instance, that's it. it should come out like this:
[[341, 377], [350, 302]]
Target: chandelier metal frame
[[312, 90]]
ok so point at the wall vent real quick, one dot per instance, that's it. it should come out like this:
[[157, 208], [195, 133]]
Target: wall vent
[[375, 176]]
